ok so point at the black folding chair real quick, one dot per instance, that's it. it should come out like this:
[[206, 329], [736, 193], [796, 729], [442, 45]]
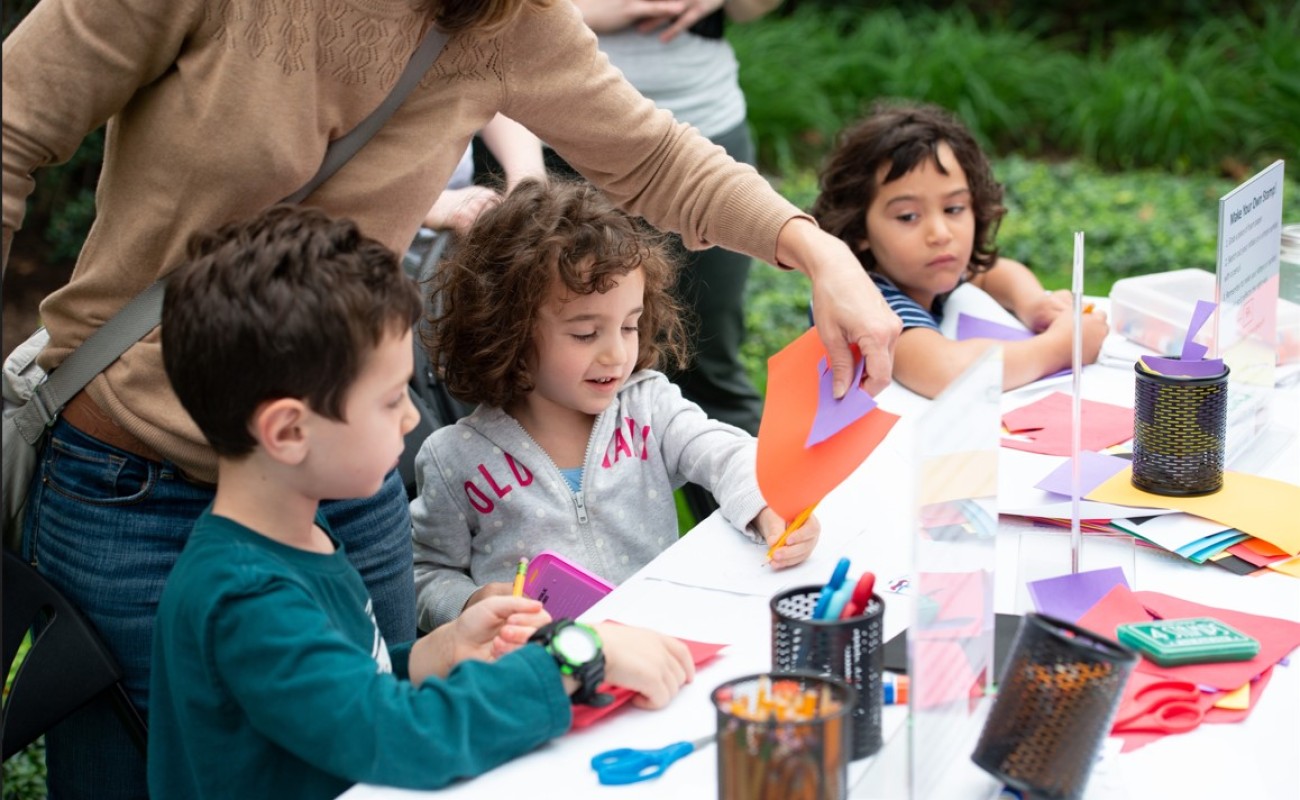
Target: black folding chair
[[66, 667]]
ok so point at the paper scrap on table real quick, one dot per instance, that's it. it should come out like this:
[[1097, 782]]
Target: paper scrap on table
[[793, 477], [834, 415], [1044, 425], [1094, 470], [1262, 507], [1236, 700], [972, 327], [701, 654], [1068, 597]]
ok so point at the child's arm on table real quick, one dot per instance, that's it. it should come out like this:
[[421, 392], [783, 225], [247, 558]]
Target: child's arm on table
[[1018, 290], [485, 631], [651, 664], [797, 546], [926, 361]]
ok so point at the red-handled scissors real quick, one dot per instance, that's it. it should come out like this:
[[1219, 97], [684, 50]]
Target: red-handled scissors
[[1164, 705]]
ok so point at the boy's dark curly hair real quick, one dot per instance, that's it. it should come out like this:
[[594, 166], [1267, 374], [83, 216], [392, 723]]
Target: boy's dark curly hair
[[287, 304], [488, 294], [899, 136]]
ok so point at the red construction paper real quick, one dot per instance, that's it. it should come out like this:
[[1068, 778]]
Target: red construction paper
[[701, 653], [1277, 638], [793, 477], [1246, 553], [1046, 424]]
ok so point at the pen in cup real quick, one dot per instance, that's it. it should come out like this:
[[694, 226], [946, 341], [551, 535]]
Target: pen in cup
[[520, 571]]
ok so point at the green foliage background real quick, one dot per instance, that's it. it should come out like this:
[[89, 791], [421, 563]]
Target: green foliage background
[[1124, 120]]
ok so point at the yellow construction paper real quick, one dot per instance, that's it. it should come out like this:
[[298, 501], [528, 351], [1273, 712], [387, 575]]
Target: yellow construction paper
[[1236, 700], [1289, 567], [1262, 507]]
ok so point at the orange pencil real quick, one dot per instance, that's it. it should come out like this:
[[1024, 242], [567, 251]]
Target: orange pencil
[[518, 590], [795, 525]]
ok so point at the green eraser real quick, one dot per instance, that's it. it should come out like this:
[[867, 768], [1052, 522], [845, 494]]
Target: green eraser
[[1199, 640]]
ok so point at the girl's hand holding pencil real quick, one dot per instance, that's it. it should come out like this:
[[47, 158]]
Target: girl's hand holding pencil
[[788, 544]]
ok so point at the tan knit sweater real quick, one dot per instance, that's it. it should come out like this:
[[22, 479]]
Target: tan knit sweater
[[219, 108]]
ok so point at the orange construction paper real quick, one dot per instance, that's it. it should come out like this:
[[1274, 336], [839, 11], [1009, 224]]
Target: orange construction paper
[[793, 477], [1262, 507]]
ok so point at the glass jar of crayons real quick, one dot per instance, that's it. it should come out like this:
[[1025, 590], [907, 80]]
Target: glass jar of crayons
[[783, 736]]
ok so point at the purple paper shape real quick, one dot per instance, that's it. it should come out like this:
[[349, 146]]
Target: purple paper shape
[[834, 415], [1191, 350], [1069, 597], [969, 327], [1094, 470], [1175, 367]]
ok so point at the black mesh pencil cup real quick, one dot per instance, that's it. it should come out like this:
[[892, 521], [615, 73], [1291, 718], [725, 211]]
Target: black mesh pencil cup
[[1178, 432], [1056, 700], [851, 649]]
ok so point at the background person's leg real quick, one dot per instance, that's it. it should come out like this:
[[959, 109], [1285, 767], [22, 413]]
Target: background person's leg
[[376, 534], [105, 527]]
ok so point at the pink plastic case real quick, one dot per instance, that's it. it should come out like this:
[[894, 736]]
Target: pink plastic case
[[565, 589]]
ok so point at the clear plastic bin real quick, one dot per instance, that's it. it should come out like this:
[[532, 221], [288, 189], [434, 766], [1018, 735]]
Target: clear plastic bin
[[1154, 310]]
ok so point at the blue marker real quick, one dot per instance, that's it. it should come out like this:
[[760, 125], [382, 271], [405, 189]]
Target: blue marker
[[833, 585]]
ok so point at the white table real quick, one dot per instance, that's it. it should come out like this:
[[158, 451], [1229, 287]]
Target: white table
[[710, 587]]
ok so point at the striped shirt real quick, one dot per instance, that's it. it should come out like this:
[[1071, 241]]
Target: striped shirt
[[908, 310]]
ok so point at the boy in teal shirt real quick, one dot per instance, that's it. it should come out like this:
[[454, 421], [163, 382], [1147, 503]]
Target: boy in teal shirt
[[288, 340]]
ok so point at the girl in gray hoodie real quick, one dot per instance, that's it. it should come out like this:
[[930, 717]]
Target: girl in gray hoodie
[[552, 314]]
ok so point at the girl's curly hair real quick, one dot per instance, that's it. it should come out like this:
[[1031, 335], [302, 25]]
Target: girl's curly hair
[[486, 298], [900, 136]]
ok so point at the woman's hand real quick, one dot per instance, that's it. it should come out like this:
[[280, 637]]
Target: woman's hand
[[607, 16], [847, 306], [456, 209], [798, 545]]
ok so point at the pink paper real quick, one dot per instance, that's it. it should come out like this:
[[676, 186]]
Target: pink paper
[[1045, 423], [834, 415], [1094, 470]]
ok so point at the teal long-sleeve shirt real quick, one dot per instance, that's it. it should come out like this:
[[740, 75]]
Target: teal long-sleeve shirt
[[270, 679]]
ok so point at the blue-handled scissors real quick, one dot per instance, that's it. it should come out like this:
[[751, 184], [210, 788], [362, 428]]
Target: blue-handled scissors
[[629, 765]]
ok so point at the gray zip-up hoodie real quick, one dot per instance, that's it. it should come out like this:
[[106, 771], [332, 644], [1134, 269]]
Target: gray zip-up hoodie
[[489, 494]]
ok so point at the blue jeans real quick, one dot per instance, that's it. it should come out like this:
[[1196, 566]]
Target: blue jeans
[[106, 526]]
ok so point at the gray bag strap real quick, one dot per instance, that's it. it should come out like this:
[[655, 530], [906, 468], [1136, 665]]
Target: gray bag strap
[[144, 312]]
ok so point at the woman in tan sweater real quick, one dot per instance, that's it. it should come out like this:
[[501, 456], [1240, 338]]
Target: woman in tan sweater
[[219, 108]]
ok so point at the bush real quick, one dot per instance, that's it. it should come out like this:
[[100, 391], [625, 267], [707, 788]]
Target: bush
[[1227, 90]]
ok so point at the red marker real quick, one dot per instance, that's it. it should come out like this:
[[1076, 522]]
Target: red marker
[[861, 597]]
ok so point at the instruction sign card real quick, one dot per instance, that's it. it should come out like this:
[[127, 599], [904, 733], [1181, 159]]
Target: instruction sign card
[[1250, 240]]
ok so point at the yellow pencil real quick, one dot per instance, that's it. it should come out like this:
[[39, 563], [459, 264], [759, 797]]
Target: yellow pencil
[[795, 525], [520, 570]]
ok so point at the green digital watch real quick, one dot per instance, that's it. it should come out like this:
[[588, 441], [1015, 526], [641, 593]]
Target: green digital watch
[[577, 650]]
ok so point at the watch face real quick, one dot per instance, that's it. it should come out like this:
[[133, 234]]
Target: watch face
[[576, 644]]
